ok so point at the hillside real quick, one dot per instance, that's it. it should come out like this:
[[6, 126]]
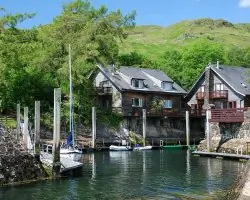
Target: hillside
[[155, 40]]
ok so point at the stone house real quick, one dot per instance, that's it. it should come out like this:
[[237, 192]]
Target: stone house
[[224, 93], [129, 90]]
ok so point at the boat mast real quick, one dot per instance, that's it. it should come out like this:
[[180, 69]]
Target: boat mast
[[71, 129]]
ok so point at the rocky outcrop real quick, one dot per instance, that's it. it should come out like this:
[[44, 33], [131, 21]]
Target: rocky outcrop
[[16, 164], [220, 144]]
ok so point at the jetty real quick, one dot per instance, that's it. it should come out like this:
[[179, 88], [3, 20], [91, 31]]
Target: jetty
[[221, 155], [66, 163]]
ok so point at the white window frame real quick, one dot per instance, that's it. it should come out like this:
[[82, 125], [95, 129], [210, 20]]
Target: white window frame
[[202, 88], [218, 86], [170, 84], [168, 103], [140, 83], [140, 102]]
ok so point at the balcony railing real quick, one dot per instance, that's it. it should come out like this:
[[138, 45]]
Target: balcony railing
[[227, 115], [218, 94], [104, 90]]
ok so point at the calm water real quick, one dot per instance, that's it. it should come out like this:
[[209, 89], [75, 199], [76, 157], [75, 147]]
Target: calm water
[[157, 174]]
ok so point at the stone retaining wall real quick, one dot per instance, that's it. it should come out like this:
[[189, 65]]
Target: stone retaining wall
[[16, 164], [236, 190]]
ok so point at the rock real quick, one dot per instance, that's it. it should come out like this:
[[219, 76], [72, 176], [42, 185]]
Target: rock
[[16, 164]]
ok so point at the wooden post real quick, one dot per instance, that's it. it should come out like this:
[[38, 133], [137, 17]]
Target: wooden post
[[144, 125], [25, 127], [93, 126], [37, 130], [17, 121], [187, 128], [56, 131], [208, 116]]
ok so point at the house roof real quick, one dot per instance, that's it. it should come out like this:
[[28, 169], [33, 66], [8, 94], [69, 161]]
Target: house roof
[[236, 78], [122, 76]]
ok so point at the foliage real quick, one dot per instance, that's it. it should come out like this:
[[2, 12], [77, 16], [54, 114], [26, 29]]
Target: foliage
[[135, 138], [157, 105], [35, 61], [112, 119]]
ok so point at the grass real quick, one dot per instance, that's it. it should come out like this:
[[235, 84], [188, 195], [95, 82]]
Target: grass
[[8, 122], [155, 40]]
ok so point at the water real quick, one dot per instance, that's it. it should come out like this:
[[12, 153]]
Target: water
[[156, 174]]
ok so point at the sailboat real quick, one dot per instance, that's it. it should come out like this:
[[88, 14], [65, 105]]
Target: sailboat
[[70, 150]]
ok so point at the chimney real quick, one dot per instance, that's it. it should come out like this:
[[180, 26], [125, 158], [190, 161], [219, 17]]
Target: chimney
[[218, 64]]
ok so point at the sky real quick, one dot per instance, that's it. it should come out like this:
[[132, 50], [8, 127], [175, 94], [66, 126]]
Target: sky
[[149, 12]]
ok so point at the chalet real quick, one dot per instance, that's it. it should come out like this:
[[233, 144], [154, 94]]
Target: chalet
[[128, 90], [223, 89]]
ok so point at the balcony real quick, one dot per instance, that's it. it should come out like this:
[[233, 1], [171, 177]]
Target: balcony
[[227, 115], [104, 90], [219, 94]]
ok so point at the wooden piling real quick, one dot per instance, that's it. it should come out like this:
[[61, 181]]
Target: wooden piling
[[93, 126], [208, 116], [37, 130], [18, 122], [144, 125], [56, 132], [25, 127], [187, 129]]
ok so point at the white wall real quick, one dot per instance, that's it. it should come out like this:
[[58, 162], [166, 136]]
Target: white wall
[[116, 98]]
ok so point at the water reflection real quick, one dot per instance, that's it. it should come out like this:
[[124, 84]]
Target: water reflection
[[93, 166], [188, 167], [137, 175]]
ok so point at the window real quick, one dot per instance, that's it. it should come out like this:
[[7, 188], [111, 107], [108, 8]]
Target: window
[[232, 104], [167, 85], [218, 87], [137, 102], [137, 83], [167, 104], [202, 88]]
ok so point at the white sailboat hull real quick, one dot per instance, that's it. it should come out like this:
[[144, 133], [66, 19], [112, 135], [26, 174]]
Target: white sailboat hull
[[142, 148], [73, 154], [120, 148]]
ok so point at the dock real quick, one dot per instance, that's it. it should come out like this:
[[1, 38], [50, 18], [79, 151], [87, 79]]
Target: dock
[[222, 155], [66, 163]]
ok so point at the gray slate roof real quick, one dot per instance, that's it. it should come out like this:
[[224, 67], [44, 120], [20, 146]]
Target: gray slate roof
[[236, 77], [121, 84]]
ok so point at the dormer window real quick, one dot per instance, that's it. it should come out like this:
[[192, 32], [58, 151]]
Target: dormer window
[[137, 83], [167, 85]]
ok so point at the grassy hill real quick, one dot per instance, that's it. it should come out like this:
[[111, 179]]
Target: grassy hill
[[155, 40]]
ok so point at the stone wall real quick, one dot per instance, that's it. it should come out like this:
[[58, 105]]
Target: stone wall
[[157, 128], [229, 137], [16, 164], [235, 191]]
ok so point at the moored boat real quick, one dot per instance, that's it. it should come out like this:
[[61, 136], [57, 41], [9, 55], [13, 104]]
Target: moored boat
[[138, 148], [70, 150], [73, 154], [120, 148], [173, 147]]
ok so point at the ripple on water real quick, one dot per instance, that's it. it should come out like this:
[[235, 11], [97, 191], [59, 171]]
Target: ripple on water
[[136, 175]]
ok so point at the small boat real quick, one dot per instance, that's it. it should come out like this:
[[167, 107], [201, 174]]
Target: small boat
[[173, 147], [138, 148], [120, 148]]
